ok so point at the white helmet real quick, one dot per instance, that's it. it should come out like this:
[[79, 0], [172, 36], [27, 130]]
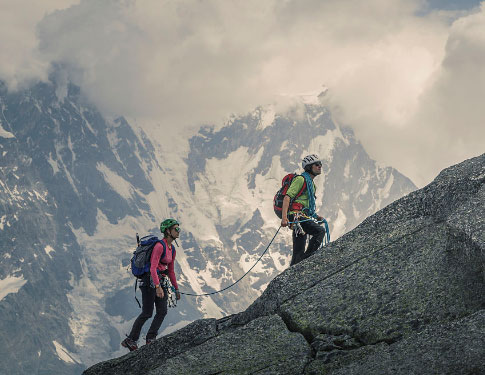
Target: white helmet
[[310, 159]]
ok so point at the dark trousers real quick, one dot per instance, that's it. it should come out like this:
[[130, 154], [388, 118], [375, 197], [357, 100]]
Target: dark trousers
[[150, 299], [313, 229]]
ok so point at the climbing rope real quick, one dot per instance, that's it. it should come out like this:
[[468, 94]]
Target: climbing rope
[[327, 240], [227, 287], [170, 289]]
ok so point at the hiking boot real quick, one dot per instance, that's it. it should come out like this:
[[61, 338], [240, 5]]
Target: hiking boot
[[129, 344], [149, 341]]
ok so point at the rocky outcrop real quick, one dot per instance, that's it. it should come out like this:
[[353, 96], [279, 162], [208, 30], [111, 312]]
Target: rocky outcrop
[[403, 293]]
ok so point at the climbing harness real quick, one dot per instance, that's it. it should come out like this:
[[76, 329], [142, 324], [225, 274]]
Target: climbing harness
[[167, 286], [299, 230]]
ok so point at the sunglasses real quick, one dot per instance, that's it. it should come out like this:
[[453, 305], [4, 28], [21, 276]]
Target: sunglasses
[[318, 164], [176, 229]]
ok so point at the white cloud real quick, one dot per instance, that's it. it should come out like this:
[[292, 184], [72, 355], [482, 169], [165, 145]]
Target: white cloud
[[400, 79], [19, 59], [443, 121]]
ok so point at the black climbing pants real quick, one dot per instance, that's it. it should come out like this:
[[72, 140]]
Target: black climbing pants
[[313, 229], [150, 299]]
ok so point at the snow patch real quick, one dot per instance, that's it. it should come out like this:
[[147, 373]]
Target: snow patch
[[206, 275], [64, 354], [247, 261], [3, 220], [119, 184], [347, 170], [41, 196], [364, 189], [323, 145], [356, 212], [48, 250], [384, 193], [208, 306], [11, 284], [339, 225], [53, 163], [281, 261], [58, 148], [4, 133], [223, 186]]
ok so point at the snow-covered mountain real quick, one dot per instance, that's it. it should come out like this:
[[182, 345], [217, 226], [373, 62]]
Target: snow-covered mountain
[[76, 187]]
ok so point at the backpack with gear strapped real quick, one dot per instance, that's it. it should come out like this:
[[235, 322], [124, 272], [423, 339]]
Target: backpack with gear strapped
[[280, 195], [140, 262]]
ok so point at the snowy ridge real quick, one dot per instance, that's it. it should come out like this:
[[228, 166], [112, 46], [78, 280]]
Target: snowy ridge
[[87, 185]]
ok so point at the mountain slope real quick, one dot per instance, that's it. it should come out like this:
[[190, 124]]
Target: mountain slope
[[76, 187]]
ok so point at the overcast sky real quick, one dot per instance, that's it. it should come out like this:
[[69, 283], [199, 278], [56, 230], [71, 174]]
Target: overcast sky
[[407, 75]]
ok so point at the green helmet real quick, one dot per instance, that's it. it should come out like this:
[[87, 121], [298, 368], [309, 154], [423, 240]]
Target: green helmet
[[167, 223]]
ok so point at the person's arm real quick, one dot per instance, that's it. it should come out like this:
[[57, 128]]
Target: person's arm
[[171, 275], [284, 211]]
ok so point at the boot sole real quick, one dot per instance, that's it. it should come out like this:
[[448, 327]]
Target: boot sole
[[130, 348]]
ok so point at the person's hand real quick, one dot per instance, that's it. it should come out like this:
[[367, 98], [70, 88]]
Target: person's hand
[[159, 291], [284, 222], [177, 294], [319, 218]]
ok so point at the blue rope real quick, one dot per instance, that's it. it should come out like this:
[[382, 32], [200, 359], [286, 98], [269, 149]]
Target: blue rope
[[327, 232], [310, 210]]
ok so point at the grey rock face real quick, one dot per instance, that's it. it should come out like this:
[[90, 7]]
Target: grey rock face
[[403, 293], [264, 346], [453, 348], [156, 354]]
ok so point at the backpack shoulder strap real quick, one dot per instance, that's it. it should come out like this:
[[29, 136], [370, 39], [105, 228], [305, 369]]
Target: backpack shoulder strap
[[164, 245]]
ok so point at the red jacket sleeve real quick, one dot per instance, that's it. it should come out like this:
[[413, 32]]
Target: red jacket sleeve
[[171, 270], [154, 260]]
